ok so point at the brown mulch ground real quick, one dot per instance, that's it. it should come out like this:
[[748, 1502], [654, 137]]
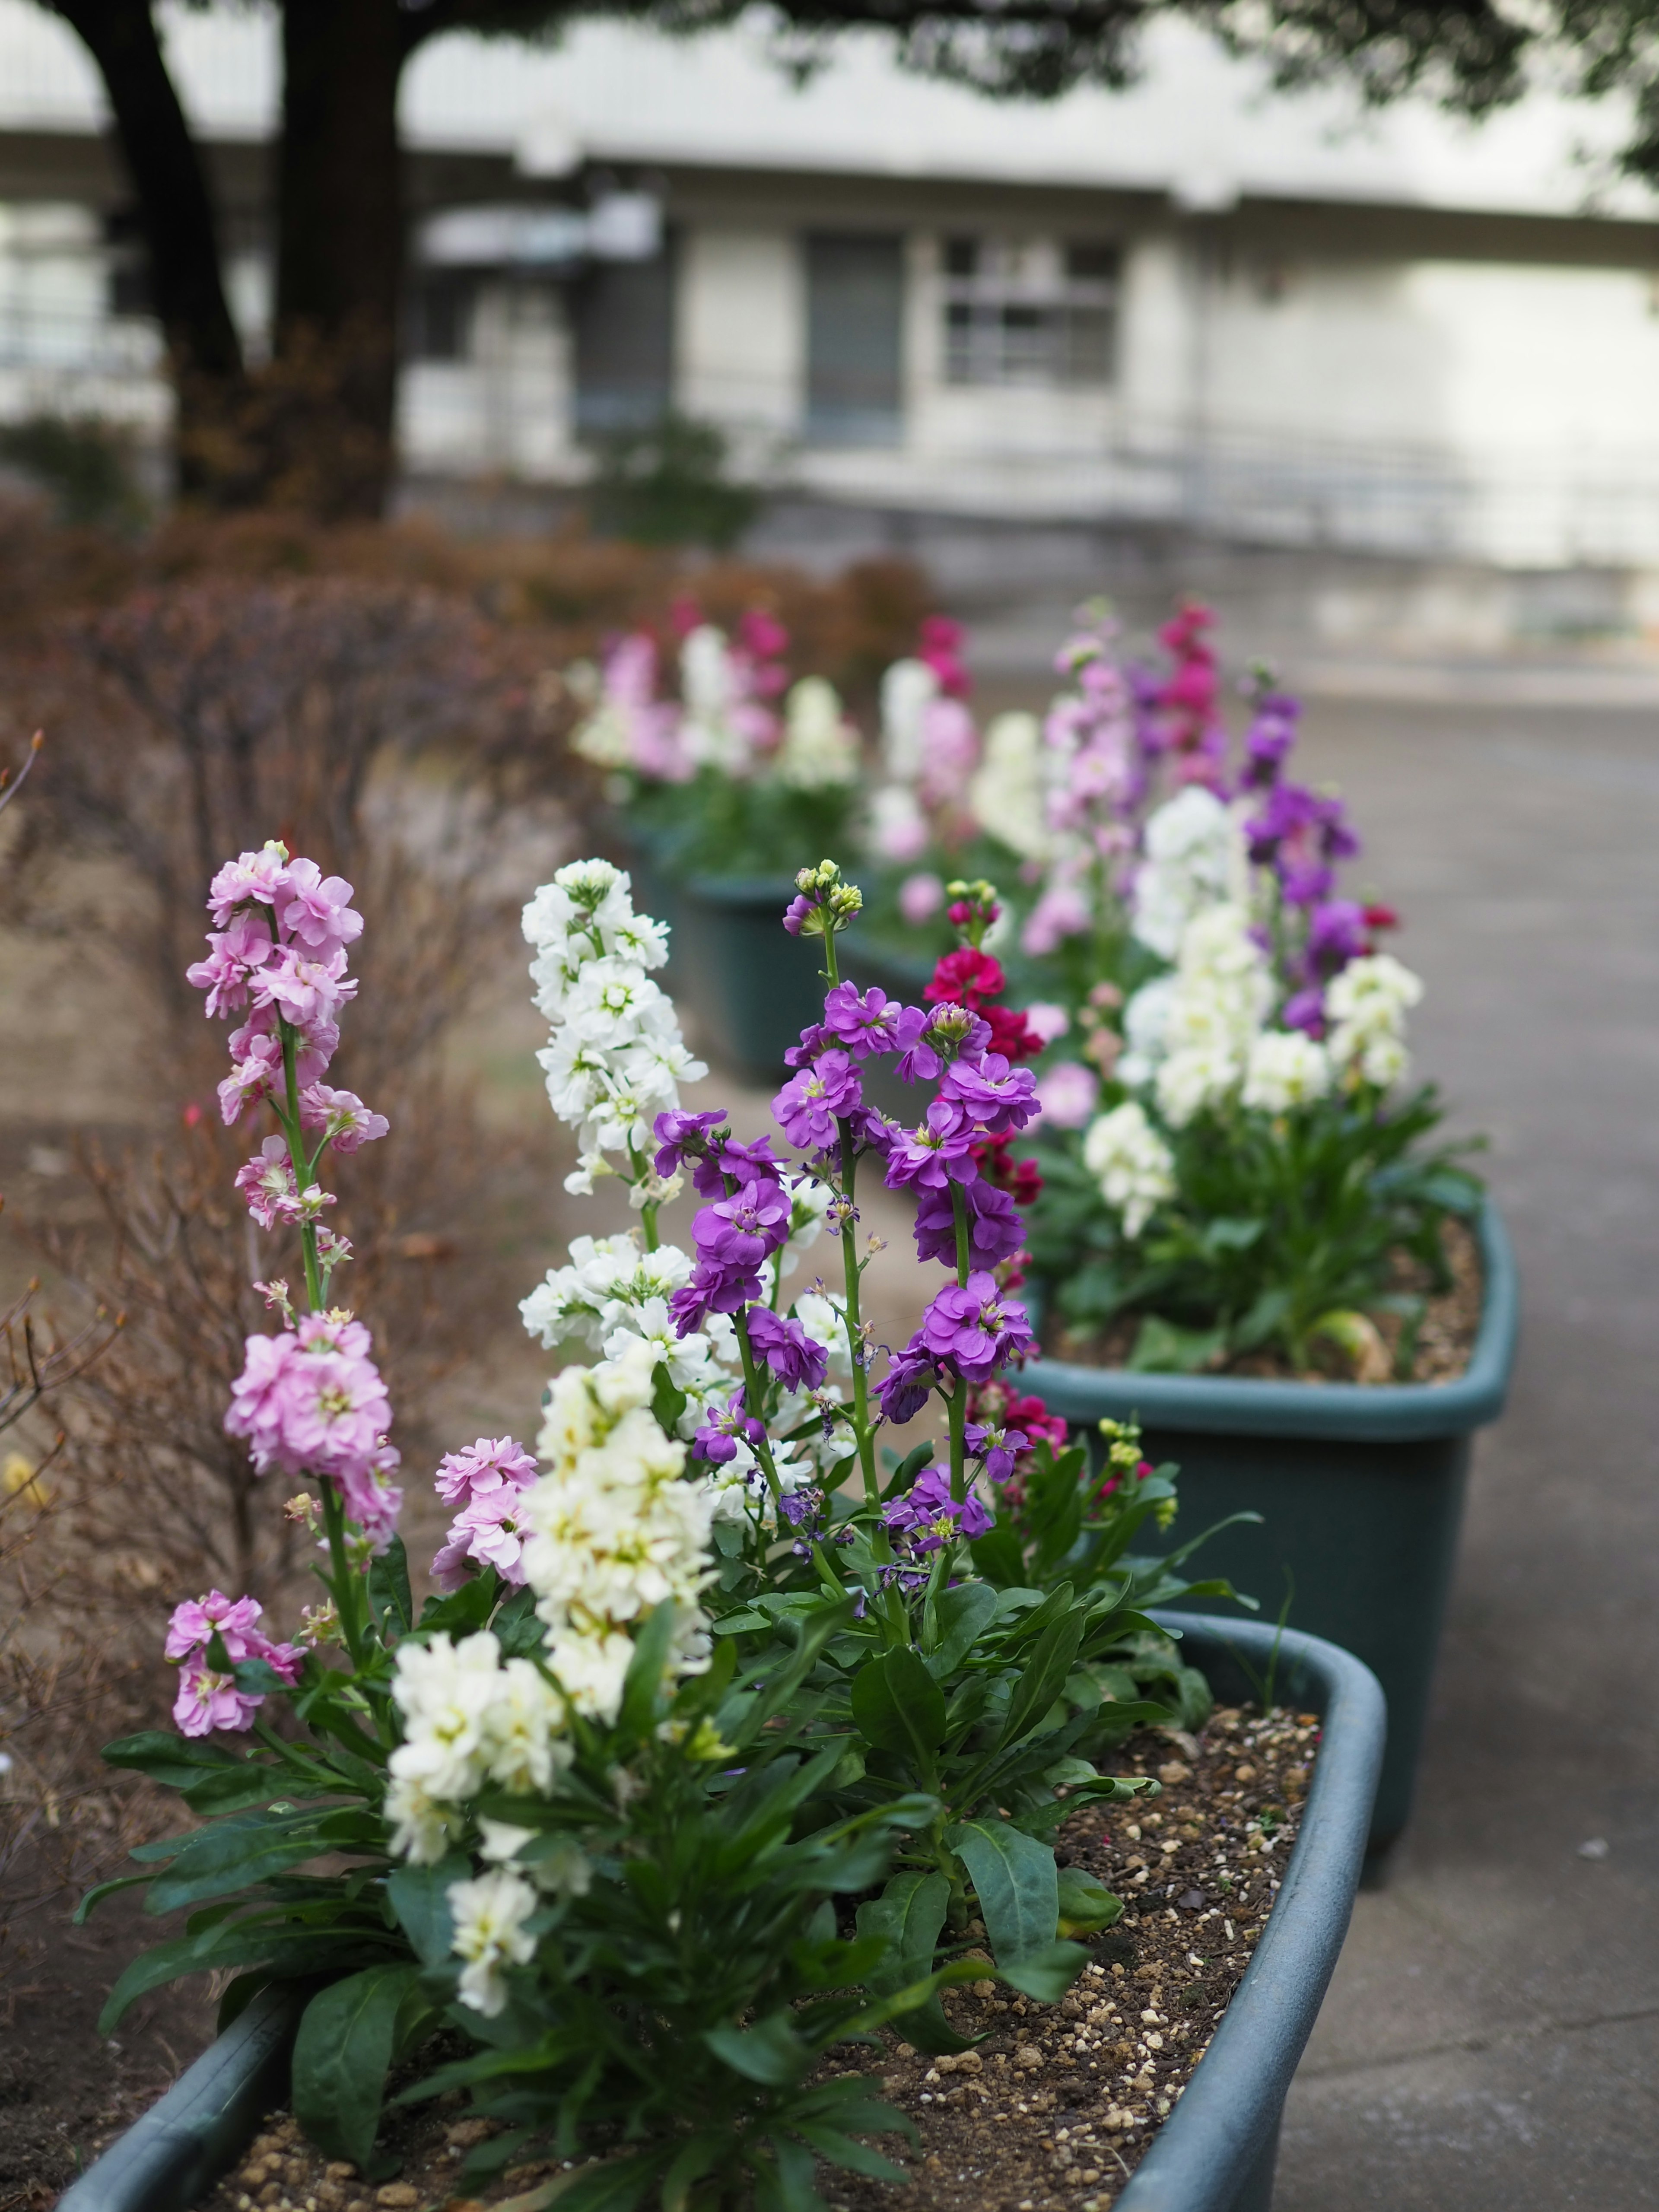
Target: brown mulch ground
[[1055, 2106], [1445, 1337]]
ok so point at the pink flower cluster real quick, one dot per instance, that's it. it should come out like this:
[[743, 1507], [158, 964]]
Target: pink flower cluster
[[312, 1401], [488, 1482], [208, 1699], [278, 951]]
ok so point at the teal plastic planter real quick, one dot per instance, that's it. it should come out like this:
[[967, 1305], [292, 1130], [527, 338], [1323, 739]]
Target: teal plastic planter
[[1215, 2152], [1360, 1488]]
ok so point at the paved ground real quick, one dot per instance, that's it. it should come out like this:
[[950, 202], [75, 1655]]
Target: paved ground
[[1491, 2037]]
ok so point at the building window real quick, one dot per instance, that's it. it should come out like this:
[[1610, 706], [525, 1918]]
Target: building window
[[439, 311], [1032, 312], [623, 313], [854, 314]]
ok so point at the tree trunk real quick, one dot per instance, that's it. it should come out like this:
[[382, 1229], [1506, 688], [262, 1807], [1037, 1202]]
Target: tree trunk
[[175, 211], [339, 268]]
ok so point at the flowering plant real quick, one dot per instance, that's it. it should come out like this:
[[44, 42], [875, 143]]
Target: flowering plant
[[743, 772], [1232, 1160], [695, 1764]]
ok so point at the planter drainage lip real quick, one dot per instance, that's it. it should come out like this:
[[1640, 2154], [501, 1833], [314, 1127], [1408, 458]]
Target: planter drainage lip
[[1214, 2153], [1357, 1412], [189, 2137]]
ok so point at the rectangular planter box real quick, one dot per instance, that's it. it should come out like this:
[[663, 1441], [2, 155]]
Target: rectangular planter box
[[1215, 2152], [1360, 1488]]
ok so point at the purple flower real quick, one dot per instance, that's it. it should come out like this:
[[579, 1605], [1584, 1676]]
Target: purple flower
[[971, 1328], [865, 1024], [208, 1699], [1270, 737], [736, 1162], [927, 1517], [795, 913], [792, 1355], [678, 1134], [741, 1231], [809, 1104], [997, 1097], [998, 1447], [717, 1439], [920, 1061], [487, 1470], [995, 1231], [905, 1387], [814, 1039], [486, 1532], [941, 1150], [1305, 1009], [1336, 934]]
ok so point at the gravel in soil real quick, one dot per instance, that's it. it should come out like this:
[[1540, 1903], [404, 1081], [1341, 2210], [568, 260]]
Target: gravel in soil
[[1055, 2106], [1443, 1344]]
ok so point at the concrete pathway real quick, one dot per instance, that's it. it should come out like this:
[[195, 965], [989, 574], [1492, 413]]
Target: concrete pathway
[[1491, 2037]]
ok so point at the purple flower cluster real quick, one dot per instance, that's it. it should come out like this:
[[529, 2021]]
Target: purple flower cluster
[[312, 1401], [927, 1517], [487, 1481], [718, 1439], [207, 1699]]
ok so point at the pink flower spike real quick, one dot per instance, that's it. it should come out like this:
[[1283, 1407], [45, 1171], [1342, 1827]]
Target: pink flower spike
[[304, 988], [487, 1468], [207, 1701], [487, 1535]]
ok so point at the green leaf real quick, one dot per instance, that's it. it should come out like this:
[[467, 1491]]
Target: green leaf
[[96, 1897], [341, 2056], [668, 1402], [1164, 1348], [1044, 1677], [1047, 1974], [771, 2053], [899, 1706], [388, 1592], [908, 1916], [419, 1897], [233, 1789], [999, 1557], [1016, 1883], [1085, 1905], [964, 1612], [642, 1685], [230, 1856], [172, 1761]]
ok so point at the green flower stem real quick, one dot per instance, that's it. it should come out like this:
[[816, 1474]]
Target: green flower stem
[[346, 1583], [863, 1428], [959, 1216], [303, 1175], [957, 1404], [752, 1400]]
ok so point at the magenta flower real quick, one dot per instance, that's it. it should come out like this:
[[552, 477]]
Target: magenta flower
[[809, 1104], [999, 1448], [864, 1023], [679, 1135], [341, 1115], [997, 1097], [484, 1470], [972, 1329], [927, 1517], [995, 1231], [798, 1363], [317, 909], [208, 1699], [486, 1534]]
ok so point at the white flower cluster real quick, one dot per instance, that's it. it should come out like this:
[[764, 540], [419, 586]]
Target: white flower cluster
[[613, 1297], [616, 1058], [1196, 857], [489, 1917], [820, 749], [612, 1530], [1365, 1006], [1286, 1068], [467, 1718], [1191, 1034], [1008, 795], [1132, 1163]]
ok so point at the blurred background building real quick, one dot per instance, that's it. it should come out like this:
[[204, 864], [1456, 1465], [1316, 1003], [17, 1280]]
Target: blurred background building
[[1196, 303]]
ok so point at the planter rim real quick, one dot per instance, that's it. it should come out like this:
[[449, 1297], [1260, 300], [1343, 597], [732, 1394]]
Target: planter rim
[[1377, 1412], [1224, 2121], [1227, 2118]]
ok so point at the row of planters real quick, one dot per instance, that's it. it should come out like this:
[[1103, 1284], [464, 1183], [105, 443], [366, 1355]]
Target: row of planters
[[742, 1730]]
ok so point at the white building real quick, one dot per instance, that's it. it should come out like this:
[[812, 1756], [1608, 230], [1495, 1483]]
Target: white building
[[1195, 302]]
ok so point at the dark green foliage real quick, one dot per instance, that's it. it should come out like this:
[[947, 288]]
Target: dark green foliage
[[720, 826], [667, 484]]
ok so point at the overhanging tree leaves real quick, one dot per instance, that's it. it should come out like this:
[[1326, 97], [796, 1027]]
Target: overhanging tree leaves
[[313, 428]]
